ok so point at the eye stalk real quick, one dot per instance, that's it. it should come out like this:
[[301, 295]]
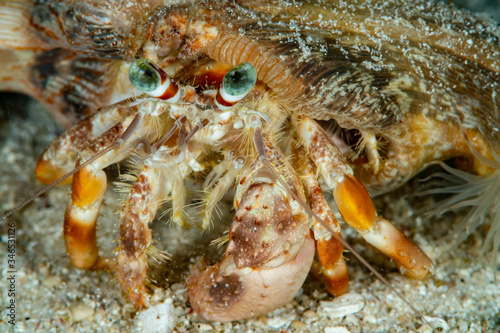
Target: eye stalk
[[151, 79], [236, 84]]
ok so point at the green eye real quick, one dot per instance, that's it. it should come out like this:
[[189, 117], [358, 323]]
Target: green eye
[[240, 79], [144, 76]]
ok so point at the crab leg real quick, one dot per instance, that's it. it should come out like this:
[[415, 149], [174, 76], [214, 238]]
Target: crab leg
[[155, 182], [329, 250], [162, 175], [87, 191], [60, 157], [135, 236], [269, 253], [355, 204]]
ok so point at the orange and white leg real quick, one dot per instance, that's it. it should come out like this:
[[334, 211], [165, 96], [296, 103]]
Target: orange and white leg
[[269, 254], [355, 204], [87, 192], [329, 249]]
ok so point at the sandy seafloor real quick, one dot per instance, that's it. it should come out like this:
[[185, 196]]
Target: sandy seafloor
[[53, 296]]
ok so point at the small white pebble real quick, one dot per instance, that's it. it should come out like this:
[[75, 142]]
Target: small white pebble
[[81, 312], [157, 319], [99, 315], [310, 314], [342, 306], [276, 322], [51, 281], [336, 329], [204, 327], [370, 319], [181, 291], [297, 324]]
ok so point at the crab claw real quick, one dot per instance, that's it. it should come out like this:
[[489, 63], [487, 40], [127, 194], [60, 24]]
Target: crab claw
[[268, 258]]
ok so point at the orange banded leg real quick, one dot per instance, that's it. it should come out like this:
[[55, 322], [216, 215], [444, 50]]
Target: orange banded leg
[[328, 249], [355, 204], [87, 192]]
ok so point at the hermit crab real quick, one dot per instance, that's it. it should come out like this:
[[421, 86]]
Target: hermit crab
[[278, 101]]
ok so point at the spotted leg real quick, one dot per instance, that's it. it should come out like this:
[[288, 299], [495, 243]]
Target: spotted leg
[[355, 204], [60, 157], [269, 254], [332, 266], [154, 184]]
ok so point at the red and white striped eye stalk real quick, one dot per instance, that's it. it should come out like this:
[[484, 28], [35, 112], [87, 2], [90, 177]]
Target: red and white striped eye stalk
[[151, 79], [236, 84]]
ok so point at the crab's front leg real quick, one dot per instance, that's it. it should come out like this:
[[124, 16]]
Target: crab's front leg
[[87, 192], [60, 157], [355, 204], [159, 177], [269, 254]]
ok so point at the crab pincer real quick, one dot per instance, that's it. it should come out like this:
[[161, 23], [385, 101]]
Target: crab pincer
[[269, 254]]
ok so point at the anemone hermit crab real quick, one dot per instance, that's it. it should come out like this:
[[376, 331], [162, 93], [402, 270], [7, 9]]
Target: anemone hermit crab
[[280, 101]]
